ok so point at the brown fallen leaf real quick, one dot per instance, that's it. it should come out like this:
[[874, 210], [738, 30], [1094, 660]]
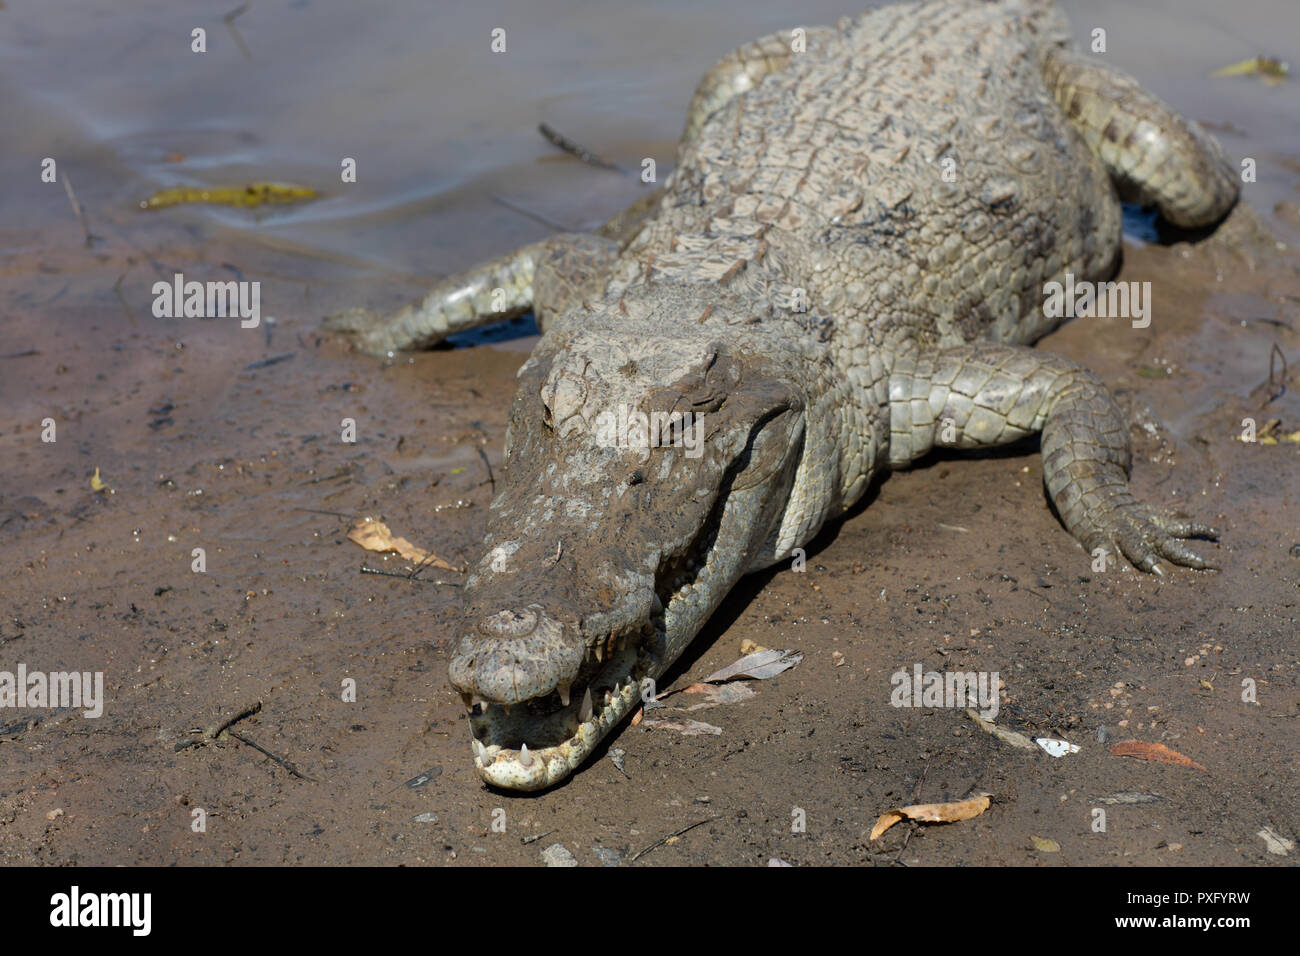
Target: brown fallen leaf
[[374, 536], [1144, 750], [1044, 845], [933, 813]]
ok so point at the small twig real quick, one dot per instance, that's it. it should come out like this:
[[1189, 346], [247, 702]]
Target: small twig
[[76, 209], [533, 839], [408, 577], [247, 712], [548, 223], [343, 472], [214, 731], [278, 759], [336, 514], [574, 150], [488, 465], [268, 362], [1276, 386], [661, 841], [229, 18], [117, 290]]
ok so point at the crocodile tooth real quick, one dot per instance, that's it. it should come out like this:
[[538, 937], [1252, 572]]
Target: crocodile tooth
[[600, 653], [480, 751], [584, 711], [564, 693], [524, 759]]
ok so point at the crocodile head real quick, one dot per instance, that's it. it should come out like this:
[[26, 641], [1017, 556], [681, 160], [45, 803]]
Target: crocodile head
[[614, 536]]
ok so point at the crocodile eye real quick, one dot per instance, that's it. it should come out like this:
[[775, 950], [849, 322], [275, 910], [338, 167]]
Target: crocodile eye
[[635, 478]]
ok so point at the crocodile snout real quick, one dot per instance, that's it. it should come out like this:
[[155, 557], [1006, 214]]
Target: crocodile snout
[[509, 624], [514, 655]]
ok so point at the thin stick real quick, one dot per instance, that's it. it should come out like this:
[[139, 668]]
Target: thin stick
[[337, 514], [548, 223], [230, 25], [216, 729], [1277, 390], [660, 842], [76, 208], [488, 465], [574, 150], [408, 577], [117, 289], [280, 760]]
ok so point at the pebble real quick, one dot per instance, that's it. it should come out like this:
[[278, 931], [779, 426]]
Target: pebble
[[558, 855]]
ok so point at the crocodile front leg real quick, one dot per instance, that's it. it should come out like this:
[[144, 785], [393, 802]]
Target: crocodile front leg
[[971, 396], [546, 277]]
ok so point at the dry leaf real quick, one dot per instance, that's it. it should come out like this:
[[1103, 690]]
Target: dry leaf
[[1044, 845], [254, 194], [757, 666], [1149, 751], [749, 647], [95, 483], [374, 536], [933, 813]]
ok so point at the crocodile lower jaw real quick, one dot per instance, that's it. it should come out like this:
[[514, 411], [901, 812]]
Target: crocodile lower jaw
[[609, 698]]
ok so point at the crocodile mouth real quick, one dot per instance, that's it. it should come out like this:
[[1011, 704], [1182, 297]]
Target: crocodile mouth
[[536, 743]]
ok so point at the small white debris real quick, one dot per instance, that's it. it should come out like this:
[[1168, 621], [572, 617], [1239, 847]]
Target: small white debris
[[1057, 748], [1275, 842]]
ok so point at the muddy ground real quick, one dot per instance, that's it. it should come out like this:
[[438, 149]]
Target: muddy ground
[[958, 564]]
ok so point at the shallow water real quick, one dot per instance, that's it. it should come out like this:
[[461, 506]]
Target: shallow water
[[438, 123]]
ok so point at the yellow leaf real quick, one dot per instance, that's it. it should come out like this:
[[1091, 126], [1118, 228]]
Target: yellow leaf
[[933, 813], [95, 483], [1045, 845], [1265, 66], [254, 194], [375, 536]]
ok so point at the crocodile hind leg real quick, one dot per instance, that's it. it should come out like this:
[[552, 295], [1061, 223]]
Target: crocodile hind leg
[[1155, 157], [743, 69], [971, 396], [544, 276]]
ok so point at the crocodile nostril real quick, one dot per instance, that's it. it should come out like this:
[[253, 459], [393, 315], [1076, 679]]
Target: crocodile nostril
[[509, 624]]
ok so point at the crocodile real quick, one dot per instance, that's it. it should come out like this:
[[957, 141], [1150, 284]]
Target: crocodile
[[844, 271]]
